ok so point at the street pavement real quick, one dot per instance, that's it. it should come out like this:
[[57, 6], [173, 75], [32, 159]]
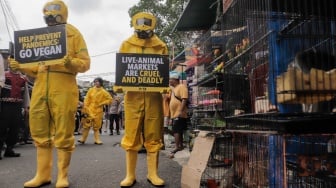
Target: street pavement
[[94, 166]]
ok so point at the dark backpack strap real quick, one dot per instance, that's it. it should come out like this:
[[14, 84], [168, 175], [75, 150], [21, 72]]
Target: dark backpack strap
[[178, 98]]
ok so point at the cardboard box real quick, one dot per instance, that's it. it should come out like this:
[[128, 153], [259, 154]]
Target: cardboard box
[[263, 105], [294, 86], [322, 80], [193, 170]]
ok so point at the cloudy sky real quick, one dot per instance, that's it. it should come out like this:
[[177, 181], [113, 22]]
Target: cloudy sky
[[103, 23]]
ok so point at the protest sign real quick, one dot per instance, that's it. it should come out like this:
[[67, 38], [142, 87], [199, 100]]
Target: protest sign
[[141, 72], [45, 45]]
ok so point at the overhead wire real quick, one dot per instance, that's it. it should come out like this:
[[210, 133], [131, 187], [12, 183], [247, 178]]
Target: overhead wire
[[106, 53], [11, 22], [11, 15], [9, 18], [12, 25]]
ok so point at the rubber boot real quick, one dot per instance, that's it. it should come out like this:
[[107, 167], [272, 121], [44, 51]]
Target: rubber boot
[[63, 163], [97, 138], [131, 161], [152, 167], [43, 169], [85, 134]]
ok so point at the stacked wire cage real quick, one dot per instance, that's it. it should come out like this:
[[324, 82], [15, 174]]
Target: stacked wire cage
[[279, 160], [219, 169], [286, 51], [206, 85]]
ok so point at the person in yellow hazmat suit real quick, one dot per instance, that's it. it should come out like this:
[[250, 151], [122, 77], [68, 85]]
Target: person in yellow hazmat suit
[[95, 100], [143, 110], [54, 100]]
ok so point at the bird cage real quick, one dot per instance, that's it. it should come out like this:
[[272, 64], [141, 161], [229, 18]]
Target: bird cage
[[219, 168], [286, 51], [276, 160]]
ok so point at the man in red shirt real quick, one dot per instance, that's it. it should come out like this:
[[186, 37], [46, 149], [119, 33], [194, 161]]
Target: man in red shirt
[[12, 102]]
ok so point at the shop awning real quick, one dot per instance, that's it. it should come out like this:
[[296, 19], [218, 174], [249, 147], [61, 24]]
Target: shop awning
[[198, 15]]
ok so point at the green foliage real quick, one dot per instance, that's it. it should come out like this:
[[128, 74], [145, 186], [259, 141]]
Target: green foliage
[[167, 13]]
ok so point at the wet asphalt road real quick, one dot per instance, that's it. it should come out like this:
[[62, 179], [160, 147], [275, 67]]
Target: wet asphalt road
[[92, 166]]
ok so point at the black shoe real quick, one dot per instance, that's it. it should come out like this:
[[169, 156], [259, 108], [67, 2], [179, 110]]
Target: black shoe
[[11, 153], [28, 142], [79, 141], [118, 133], [111, 134], [176, 150]]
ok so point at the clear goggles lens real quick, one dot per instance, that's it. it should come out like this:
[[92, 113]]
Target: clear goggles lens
[[144, 21], [53, 7]]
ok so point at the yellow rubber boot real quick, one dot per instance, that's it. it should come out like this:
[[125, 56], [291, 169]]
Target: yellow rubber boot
[[43, 169], [97, 138], [131, 161], [63, 163], [152, 167], [85, 134]]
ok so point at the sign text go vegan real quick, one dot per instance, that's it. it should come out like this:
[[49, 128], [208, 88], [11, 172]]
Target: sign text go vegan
[[41, 44]]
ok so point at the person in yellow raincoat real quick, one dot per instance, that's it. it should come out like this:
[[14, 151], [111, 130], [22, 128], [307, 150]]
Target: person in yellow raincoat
[[95, 100], [143, 110], [54, 100]]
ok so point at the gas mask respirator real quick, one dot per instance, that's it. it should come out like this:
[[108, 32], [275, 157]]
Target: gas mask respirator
[[144, 34], [53, 19]]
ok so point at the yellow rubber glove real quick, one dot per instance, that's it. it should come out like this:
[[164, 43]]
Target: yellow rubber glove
[[14, 65], [67, 61], [76, 64]]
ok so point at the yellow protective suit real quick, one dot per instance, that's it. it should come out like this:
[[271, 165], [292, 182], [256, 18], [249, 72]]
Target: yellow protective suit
[[94, 102], [54, 100], [143, 110], [54, 97]]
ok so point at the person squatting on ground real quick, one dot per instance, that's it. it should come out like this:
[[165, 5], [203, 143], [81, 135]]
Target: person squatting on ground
[[93, 110], [11, 117], [113, 111], [178, 109], [54, 100], [143, 110]]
